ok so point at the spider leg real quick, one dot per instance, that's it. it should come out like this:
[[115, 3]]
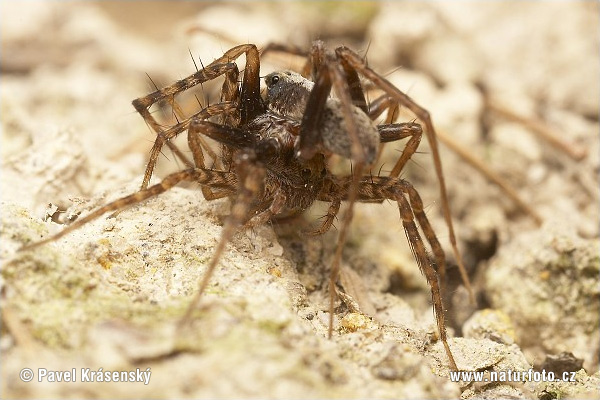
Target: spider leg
[[353, 85], [409, 149], [491, 176], [320, 115], [378, 107], [165, 136], [382, 103], [319, 57], [223, 180], [331, 73], [230, 92], [250, 172], [229, 137], [143, 104], [416, 205], [179, 154], [392, 132], [291, 50], [251, 107], [345, 93], [283, 48], [316, 58], [276, 206], [309, 141], [178, 113], [376, 189], [250, 185], [408, 213], [196, 145], [332, 212], [200, 144], [358, 63]]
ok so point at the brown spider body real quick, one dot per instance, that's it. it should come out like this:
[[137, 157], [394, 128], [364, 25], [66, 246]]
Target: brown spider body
[[274, 154], [299, 182]]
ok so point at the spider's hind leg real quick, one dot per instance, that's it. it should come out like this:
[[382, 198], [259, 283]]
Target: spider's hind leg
[[408, 212], [377, 189], [422, 114]]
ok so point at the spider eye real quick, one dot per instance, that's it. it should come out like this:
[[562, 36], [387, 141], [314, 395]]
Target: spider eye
[[274, 79], [305, 173]]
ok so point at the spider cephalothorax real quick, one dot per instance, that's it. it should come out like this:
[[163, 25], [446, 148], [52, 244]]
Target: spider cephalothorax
[[288, 94], [275, 153]]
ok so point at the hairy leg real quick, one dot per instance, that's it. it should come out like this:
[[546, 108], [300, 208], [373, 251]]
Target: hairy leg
[[251, 179], [166, 135], [332, 212], [248, 109], [377, 189], [422, 114], [222, 180]]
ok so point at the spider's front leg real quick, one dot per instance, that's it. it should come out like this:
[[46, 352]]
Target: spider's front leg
[[328, 125], [143, 104], [249, 159], [335, 126], [251, 179], [164, 136], [248, 109]]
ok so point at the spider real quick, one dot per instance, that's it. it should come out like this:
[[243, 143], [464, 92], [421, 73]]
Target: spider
[[275, 152]]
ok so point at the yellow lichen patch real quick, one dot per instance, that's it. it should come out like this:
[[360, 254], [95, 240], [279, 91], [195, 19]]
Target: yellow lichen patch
[[275, 271], [353, 322], [104, 261], [104, 242], [544, 275]]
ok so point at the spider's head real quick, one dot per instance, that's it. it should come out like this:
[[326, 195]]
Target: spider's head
[[287, 93]]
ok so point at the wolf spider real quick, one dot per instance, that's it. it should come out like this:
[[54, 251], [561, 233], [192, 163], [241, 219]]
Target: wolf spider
[[275, 152]]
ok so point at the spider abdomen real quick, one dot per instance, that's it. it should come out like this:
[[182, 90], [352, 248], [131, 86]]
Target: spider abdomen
[[336, 137]]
